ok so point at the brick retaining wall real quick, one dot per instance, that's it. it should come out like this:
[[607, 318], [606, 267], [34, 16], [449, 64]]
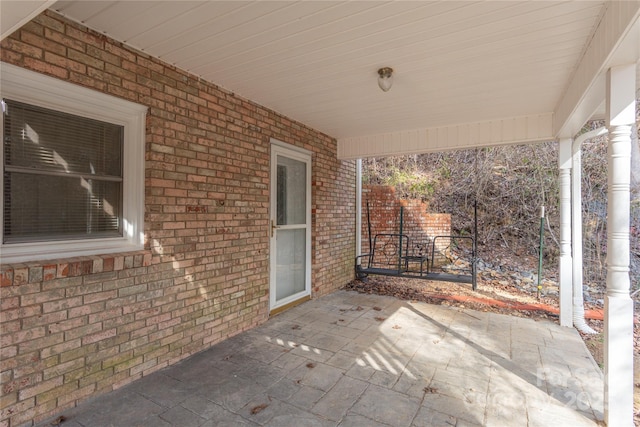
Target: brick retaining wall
[[418, 224]]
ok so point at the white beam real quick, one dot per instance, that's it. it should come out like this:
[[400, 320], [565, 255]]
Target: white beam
[[617, 30], [566, 261], [508, 131], [618, 318]]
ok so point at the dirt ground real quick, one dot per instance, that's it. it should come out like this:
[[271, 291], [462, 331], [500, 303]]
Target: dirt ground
[[497, 289]]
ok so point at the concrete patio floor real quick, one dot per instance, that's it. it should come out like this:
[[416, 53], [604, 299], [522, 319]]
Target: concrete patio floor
[[350, 359]]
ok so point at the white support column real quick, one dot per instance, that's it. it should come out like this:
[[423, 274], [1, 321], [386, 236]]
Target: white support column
[[566, 262], [618, 318], [358, 208]]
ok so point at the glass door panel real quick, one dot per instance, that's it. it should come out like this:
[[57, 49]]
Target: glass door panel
[[290, 270], [290, 225]]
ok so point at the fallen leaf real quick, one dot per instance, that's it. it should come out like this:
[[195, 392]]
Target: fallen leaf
[[295, 327], [258, 408], [380, 319], [311, 365], [376, 308], [430, 390], [58, 420], [397, 327]]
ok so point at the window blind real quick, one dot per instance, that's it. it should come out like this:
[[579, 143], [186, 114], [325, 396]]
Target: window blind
[[62, 175]]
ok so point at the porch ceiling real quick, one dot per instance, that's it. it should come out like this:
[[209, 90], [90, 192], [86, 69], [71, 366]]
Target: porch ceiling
[[466, 73]]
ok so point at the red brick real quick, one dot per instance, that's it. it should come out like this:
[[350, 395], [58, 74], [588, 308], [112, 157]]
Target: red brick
[[49, 272], [6, 277], [46, 68], [75, 31], [39, 388], [99, 336], [23, 48]]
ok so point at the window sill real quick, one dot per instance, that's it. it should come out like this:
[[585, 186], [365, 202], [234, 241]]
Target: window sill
[[35, 272]]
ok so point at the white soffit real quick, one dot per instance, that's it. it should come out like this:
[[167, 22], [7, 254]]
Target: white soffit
[[615, 42], [461, 67], [516, 130], [15, 13]]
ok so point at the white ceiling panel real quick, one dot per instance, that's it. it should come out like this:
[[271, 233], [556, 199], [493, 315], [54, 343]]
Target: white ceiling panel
[[15, 13], [316, 61], [209, 35]]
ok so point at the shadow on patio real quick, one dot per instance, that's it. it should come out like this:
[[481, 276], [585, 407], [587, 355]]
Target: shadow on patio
[[352, 359]]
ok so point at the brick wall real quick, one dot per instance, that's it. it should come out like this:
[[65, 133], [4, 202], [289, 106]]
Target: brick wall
[[78, 327], [418, 224]]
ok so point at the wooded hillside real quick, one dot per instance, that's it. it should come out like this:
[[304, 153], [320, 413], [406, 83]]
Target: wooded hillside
[[510, 184]]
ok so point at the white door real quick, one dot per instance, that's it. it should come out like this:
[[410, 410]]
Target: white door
[[290, 224]]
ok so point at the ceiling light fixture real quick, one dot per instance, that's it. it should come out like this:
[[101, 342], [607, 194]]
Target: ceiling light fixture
[[385, 78]]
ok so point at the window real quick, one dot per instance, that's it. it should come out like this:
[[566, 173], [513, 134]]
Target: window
[[48, 153], [73, 169]]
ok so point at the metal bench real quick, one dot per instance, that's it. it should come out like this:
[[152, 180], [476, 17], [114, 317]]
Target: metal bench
[[390, 256]]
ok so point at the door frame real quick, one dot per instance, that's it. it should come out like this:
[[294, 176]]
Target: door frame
[[300, 154]]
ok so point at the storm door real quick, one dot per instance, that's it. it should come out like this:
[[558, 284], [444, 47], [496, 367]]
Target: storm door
[[290, 225]]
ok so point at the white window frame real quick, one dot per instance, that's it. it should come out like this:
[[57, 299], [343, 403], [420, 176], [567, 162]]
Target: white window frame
[[37, 89]]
